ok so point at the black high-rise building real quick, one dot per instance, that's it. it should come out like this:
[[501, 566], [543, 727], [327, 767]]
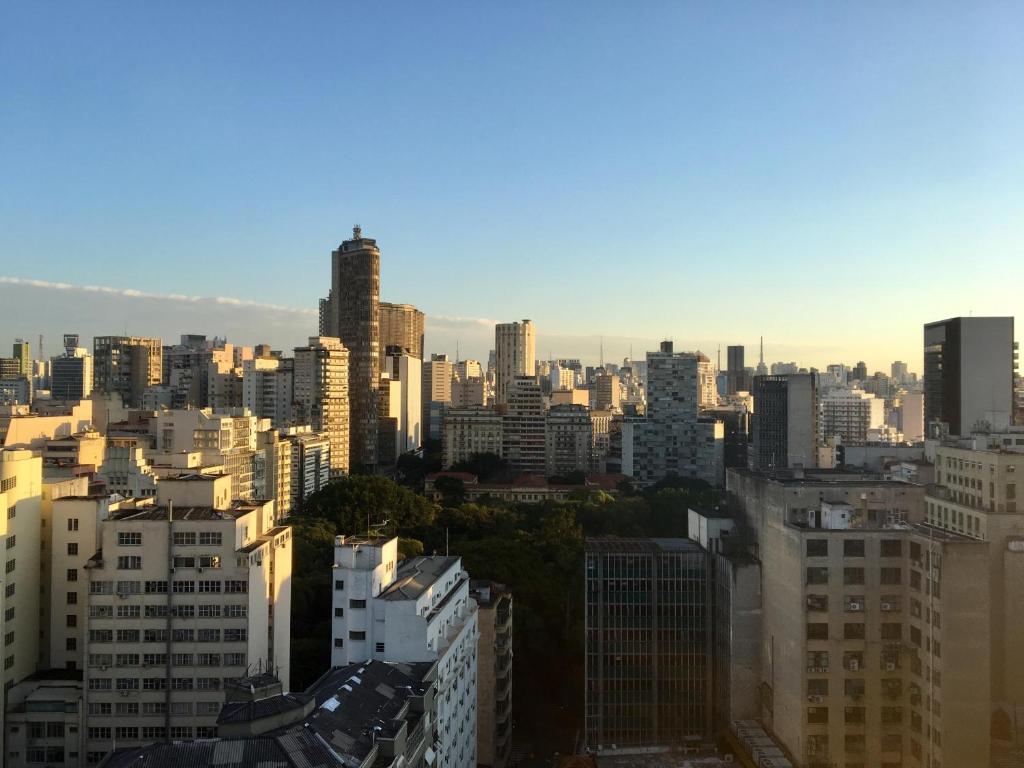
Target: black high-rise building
[[737, 377]]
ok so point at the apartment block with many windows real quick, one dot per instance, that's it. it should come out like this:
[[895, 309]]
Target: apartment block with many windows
[[181, 601]]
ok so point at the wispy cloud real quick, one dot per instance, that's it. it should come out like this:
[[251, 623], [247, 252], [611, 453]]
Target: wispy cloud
[[133, 293]]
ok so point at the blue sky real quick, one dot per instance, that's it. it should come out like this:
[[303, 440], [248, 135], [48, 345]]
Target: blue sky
[[830, 175]]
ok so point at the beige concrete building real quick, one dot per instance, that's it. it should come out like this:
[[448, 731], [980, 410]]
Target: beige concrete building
[[524, 441], [401, 325], [570, 397], [515, 354], [225, 439], [471, 430], [322, 397], [468, 391], [568, 435], [493, 673], [437, 376], [181, 601], [902, 626], [606, 392], [127, 365]]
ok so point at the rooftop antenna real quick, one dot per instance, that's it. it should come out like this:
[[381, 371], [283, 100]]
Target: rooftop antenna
[[41, 347], [602, 351], [761, 359]]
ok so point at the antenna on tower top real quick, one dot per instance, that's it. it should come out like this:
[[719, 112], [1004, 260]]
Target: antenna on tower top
[[761, 359], [602, 351], [357, 232]]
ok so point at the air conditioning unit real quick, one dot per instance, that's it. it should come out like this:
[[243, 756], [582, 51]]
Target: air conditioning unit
[[890, 666], [854, 607], [854, 665], [124, 693], [816, 699], [888, 607]]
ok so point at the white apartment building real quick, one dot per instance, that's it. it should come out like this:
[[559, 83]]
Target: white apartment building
[[515, 354], [322, 396], [419, 610], [310, 463], [405, 405], [849, 414], [267, 388], [181, 600]]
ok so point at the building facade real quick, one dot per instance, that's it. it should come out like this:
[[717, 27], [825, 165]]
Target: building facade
[[352, 314], [401, 325], [648, 648], [515, 354], [969, 368], [785, 422], [127, 365], [418, 610], [323, 398]]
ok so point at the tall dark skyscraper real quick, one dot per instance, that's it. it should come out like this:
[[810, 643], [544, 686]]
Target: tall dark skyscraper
[[969, 365], [352, 313], [736, 372]]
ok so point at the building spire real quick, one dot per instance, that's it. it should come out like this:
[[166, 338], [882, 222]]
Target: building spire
[[761, 358]]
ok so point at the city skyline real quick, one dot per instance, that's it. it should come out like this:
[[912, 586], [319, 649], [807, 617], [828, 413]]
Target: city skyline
[[243, 321], [782, 159]]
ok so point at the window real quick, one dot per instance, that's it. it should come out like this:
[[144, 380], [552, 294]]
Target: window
[[854, 715], [817, 547], [379, 648], [817, 715], [209, 611], [184, 562], [72, 574], [70, 621], [853, 575], [129, 563], [181, 587], [339, 584], [100, 708], [235, 635], [853, 686], [892, 631], [156, 587], [854, 742], [209, 636], [339, 613], [236, 587], [209, 561], [12, 541], [354, 635], [72, 549], [101, 635], [128, 587], [129, 539], [209, 587], [182, 659], [127, 732], [183, 635], [184, 538], [817, 686], [127, 635], [208, 539], [154, 683], [236, 611], [338, 642], [891, 576], [12, 512], [853, 548], [817, 631], [71, 598], [814, 576], [72, 523], [892, 716], [234, 659], [853, 631]]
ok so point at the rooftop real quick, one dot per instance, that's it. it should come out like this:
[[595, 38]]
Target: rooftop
[[416, 576], [616, 544], [237, 509]]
